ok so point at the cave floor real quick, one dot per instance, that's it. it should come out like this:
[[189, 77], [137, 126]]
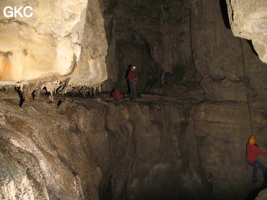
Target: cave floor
[[12, 96]]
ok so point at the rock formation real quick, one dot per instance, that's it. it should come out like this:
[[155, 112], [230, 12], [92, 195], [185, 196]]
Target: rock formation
[[124, 149], [262, 195], [203, 94], [248, 20], [53, 44]]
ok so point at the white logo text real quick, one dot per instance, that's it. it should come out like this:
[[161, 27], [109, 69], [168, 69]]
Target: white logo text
[[20, 11]]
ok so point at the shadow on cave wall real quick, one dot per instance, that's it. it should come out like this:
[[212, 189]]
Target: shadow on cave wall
[[224, 12], [251, 46]]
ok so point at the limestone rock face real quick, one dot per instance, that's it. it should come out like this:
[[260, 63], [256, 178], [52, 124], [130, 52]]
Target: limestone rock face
[[96, 148], [99, 149], [248, 20], [15, 182], [47, 46], [233, 80], [155, 37], [262, 195], [224, 126], [91, 67], [42, 155]]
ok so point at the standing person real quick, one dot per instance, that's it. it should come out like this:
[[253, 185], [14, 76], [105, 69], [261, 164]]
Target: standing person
[[252, 157], [131, 79]]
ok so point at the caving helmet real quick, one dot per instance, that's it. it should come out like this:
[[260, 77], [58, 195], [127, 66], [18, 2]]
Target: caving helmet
[[252, 140]]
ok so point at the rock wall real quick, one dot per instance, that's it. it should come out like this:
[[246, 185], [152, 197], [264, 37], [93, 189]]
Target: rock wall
[[99, 149], [212, 67], [248, 20], [155, 37], [184, 147], [42, 155], [233, 83], [49, 45]]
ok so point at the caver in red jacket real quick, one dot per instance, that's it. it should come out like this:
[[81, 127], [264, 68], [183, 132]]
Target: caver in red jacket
[[131, 76], [253, 151]]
